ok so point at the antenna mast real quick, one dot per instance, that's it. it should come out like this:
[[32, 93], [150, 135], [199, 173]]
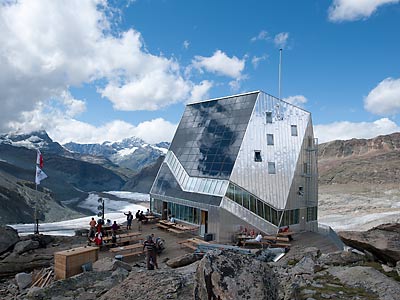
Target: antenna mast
[[280, 73]]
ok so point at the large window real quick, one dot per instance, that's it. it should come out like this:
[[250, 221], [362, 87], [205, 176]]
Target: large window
[[312, 213], [260, 208], [184, 213]]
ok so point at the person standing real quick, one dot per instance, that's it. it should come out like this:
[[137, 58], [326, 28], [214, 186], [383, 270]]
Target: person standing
[[129, 218], [151, 254]]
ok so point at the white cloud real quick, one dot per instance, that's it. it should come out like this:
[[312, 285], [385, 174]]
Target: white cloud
[[298, 100], [200, 92], [186, 44], [257, 59], [350, 10], [347, 130], [48, 46], [384, 99], [262, 36], [220, 64], [281, 39], [64, 129]]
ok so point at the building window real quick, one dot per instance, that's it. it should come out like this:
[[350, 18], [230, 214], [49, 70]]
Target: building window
[[268, 116], [271, 168], [270, 139], [257, 155], [301, 191], [293, 130], [312, 213]]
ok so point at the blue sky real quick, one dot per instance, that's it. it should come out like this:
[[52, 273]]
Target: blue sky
[[90, 71]]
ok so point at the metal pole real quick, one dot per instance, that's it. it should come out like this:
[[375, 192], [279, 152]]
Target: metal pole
[[280, 73], [36, 229]]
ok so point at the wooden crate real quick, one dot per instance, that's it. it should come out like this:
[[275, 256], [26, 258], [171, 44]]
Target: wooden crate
[[68, 263]]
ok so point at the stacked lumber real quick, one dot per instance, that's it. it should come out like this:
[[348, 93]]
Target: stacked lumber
[[43, 277]]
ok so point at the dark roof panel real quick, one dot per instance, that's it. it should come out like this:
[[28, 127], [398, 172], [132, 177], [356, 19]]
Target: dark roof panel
[[210, 133]]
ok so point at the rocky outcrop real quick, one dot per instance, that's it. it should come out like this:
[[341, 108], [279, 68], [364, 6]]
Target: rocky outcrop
[[15, 263], [158, 284], [8, 238], [383, 242], [182, 261], [227, 275]]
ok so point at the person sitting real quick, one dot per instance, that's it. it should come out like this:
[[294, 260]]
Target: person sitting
[[172, 220], [258, 237], [148, 212], [114, 226], [108, 223]]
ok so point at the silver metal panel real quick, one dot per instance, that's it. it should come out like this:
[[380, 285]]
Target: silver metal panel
[[253, 176]]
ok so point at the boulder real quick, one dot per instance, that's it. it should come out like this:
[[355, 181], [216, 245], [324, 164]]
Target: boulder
[[123, 265], [369, 279], [382, 241], [341, 258], [228, 275], [15, 263], [23, 280], [104, 264], [182, 260], [8, 238], [24, 246], [304, 266]]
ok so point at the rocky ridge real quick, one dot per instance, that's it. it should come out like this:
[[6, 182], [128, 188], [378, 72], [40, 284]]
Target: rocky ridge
[[303, 273]]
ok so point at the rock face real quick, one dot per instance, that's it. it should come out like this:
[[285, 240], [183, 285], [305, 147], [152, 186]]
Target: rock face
[[382, 241], [8, 238], [225, 275], [182, 261]]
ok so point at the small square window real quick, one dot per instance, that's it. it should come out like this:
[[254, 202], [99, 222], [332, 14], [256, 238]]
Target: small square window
[[294, 130], [268, 116], [257, 155], [301, 191], [271, 168], [270, 139]]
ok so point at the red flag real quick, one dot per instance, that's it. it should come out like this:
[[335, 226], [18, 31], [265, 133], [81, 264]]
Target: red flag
[[39, 159]]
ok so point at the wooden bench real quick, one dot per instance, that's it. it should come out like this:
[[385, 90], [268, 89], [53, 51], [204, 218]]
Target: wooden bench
[[177, 231], [128, 248], [280, 245], [276, 238], [189, 245], [162, 226]]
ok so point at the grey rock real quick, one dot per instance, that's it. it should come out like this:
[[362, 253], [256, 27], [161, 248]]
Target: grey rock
[[382, 241], [8, 238], [397, 268], [23, 280], [104, 264], [24, 246], [368, 279], [304, 266], [314, 252], [15, 263], [227, 275], [308, 292], [341, 258], [183, 260], [119, 274], [120, 264]]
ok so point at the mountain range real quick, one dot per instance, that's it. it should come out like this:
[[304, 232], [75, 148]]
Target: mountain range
[[74, 170]]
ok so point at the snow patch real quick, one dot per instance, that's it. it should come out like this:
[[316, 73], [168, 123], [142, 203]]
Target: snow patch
[[126, 151]]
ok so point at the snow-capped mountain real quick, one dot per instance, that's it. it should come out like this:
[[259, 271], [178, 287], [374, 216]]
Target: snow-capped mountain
[[34, 140], [132, 153]]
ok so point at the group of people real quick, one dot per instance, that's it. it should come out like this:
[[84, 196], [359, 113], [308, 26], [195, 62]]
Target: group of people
[[96, 230], [140, 216]]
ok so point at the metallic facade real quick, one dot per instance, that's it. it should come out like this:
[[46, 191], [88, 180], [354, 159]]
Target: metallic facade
[[261, 146]]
